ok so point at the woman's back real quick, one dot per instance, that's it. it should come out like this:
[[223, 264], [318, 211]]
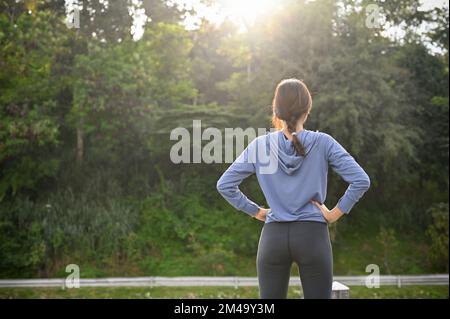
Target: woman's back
[[291, 165], [290, 181]]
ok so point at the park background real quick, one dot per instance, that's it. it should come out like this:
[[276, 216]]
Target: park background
[[86, 113]]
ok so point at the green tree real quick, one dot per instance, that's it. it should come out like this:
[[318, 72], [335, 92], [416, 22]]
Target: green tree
[[29, 126]]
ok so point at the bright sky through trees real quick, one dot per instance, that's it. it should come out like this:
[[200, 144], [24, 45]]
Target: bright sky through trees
[[242, 12], [245, 12]]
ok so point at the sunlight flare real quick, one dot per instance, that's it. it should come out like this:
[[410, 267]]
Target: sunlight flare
[[247, 11]]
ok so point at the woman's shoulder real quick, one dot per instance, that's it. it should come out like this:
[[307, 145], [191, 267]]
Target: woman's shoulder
[[265, 137], [319, 133], [324, 137]]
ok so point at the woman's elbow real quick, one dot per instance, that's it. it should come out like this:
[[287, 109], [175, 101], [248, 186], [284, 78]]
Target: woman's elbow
[[365, 182], [220, 186]]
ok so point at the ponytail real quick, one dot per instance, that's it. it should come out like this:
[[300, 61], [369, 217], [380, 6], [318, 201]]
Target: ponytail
[[298, 146]]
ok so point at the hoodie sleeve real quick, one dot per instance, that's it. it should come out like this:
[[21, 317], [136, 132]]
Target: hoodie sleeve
[[350, 171], [228, 183]]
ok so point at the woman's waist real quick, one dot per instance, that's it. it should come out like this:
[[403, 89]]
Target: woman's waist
[[289, 217]]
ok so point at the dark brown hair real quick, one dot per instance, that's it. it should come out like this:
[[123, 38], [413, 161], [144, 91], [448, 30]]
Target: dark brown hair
[[291, 101]]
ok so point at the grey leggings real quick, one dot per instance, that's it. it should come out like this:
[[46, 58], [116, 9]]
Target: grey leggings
[[306, 243]]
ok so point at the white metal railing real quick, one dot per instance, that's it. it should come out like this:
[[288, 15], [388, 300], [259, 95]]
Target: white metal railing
[[395, 280]]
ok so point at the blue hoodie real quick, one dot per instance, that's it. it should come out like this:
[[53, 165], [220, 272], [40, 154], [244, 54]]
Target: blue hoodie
[[296, 180]]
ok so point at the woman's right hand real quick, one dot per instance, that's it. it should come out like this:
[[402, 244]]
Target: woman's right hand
[[330, 216], [261, 215]]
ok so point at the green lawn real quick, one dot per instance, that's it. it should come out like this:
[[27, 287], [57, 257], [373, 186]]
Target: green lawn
[[412, 292]]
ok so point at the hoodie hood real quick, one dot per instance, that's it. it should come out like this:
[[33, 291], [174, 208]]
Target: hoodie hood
[[288, 159]]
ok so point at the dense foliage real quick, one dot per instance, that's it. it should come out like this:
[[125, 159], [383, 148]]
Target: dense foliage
[[86, 115]]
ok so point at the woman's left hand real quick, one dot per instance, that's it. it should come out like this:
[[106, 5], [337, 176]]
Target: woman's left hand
[[261, 215], [330, 215]]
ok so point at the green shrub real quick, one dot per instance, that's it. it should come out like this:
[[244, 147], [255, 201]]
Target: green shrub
[[67, 228], [438, 235]]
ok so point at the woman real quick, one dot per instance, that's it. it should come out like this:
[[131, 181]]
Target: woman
[[296, 225]]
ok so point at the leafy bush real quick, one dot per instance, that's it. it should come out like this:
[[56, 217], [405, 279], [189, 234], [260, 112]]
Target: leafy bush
[[35, 236], [438, 234]]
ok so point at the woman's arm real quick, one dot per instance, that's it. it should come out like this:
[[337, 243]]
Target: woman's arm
[[350, 171], [228, 184]]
